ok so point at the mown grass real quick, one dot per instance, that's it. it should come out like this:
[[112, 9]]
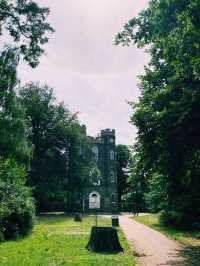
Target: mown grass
[[58, 240]]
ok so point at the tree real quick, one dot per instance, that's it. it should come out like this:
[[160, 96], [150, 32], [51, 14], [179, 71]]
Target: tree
[[122, 159], [27, 25], [168, 112], [16, 203], [13, 141], [25, 22], [136, 181], [59, 165]]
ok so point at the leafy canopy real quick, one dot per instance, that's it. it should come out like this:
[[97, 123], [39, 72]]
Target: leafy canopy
[[13, 134], [26, 23], [168, 112], [59, 164]]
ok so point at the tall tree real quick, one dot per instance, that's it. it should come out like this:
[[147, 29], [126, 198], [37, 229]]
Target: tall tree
[[122, 160], [58, 166], [13, 141], [16, 202], [168, 113], [26, 23]]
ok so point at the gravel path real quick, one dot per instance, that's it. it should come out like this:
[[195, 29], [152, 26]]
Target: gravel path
[[150, 247]]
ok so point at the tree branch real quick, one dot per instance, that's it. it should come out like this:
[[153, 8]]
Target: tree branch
[[8, 14]]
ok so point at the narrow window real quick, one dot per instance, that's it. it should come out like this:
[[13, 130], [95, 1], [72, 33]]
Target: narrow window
[[113, 198], [111, 140], [95, 153], [95, 176], [112, 155], [112, 176]]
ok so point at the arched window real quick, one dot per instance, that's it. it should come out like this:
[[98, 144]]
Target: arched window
[[94, 200], [95, 153], [112, 140], [95, 176], [112, 155]]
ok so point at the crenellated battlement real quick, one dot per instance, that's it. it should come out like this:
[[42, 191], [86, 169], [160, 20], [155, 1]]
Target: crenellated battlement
[[108, 132]]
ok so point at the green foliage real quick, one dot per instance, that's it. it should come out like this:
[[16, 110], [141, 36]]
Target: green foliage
[[13, 140], [178, 219], [168, 112], [135, 184], [122, 159], [59, 164], [17, 209], [171, 218], [16, 203], [26, 22], [13, 172], [156, 196]]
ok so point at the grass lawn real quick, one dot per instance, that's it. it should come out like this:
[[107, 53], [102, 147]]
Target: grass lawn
[[185, 237], [58, 240]]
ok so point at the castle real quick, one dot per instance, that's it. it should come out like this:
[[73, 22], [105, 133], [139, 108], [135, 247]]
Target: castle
[[102, 185]]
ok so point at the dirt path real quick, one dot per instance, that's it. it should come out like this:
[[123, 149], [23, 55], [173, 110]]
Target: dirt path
[[151, 247]]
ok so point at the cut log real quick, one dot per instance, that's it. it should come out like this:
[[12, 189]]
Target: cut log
[[104, 239]]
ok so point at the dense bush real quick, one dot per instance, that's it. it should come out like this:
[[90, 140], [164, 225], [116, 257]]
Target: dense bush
[[17, 209], [178, 219], [170, 218], [155, 197]]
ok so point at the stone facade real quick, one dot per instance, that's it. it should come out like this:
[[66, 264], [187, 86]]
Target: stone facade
[[102, 178]]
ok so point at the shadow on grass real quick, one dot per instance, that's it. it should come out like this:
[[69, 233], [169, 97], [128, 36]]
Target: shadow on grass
[[187, 256], [49, 218], [106, 253]]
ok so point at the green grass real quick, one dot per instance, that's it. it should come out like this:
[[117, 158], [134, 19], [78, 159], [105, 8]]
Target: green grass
[[58, 240], [185, 237]]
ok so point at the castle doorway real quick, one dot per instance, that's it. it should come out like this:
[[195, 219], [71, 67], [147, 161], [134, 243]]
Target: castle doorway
[[94, 200]]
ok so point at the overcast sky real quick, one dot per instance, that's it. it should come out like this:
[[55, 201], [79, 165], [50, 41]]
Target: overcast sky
[[89, 73]]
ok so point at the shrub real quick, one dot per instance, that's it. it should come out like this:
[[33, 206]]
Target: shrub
[[169, 218], [178, 219], [155, 198], [17, 209]]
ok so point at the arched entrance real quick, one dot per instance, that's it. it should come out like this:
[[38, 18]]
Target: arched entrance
[[94, 200]]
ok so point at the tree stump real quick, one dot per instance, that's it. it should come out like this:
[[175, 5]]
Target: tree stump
[[78, 217], [104, 239]]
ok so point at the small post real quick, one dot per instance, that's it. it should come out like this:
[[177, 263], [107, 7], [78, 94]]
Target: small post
[[83, 205], [96, 217], [94, 204]]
